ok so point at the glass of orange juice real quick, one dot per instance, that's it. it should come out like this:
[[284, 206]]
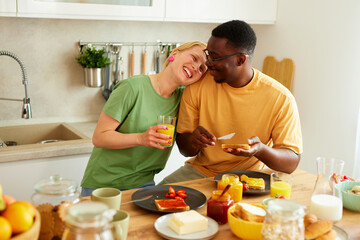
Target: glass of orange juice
[[169, 122], [280, 185]]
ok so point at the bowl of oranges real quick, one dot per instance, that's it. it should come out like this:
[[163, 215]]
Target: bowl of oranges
[[20, 220]]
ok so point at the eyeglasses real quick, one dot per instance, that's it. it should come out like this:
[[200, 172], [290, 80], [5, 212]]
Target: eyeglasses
[[211, 59]]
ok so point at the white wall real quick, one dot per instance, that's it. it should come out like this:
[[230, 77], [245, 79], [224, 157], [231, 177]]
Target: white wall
[[322, 37]]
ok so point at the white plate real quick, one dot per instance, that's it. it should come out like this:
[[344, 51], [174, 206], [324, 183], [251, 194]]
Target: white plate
[[341, 234], [161, 226]]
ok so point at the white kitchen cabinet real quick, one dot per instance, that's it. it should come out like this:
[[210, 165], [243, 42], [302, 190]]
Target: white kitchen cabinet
[[81, 10], [8, 8], [215, 11], [19, 177]]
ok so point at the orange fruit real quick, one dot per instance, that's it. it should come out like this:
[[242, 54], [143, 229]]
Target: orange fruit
[[28, 205], [19, 216], [5, 229]]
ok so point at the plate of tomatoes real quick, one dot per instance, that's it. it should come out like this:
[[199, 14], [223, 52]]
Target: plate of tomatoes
[[192, 197]]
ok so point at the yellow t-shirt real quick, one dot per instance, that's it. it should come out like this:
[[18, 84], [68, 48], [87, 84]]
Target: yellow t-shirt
[[263, 108]]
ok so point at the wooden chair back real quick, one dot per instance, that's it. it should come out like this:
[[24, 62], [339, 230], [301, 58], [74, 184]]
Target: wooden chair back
[[282, 71]]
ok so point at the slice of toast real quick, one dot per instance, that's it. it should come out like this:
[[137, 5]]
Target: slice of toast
[[254, 183], [239, 145], [171, 205]]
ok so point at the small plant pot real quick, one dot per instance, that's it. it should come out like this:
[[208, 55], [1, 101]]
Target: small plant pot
[[94, 77]]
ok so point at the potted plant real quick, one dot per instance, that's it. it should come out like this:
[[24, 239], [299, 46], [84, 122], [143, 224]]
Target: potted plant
[[94, 62]]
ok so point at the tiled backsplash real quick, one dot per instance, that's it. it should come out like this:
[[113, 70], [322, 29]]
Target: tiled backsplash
[[48, 48]]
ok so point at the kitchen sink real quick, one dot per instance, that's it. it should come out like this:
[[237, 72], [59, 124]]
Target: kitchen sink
[[39, 134]]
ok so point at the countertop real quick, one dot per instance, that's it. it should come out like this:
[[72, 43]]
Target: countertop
[[141, 225], [63, 148]]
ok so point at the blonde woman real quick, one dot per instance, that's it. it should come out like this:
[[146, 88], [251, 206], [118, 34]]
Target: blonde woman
[[126, 153]]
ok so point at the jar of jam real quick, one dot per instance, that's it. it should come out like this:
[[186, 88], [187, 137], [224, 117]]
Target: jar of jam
[[217, 207], [236, 189]]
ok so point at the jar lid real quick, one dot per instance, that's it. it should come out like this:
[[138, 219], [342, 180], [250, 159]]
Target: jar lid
[[285, 209], [87, 214], [56, 185]]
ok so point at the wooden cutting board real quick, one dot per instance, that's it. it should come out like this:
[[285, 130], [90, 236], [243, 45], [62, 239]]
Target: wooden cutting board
[[282, 71]]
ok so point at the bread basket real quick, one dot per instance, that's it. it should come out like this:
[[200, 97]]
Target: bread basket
[[33, 232]]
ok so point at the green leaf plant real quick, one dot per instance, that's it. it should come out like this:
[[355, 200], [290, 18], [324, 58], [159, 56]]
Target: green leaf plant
[[93, 58]]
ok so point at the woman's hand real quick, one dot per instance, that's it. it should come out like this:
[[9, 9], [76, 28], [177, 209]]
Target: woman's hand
[[151, 138]]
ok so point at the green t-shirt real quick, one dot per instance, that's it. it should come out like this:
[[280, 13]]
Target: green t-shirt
[[136, 105]]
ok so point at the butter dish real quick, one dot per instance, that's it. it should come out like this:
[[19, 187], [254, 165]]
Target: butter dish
[[162, 228]]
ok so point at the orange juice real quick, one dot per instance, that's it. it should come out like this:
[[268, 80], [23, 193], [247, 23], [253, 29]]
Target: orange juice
[[170, 132], [236, 190], [278, 189], [226, 179]]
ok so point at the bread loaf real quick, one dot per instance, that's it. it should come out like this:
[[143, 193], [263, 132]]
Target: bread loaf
[[250, 212], [309, 219], [234, 146], [330, 235], [318, 228]]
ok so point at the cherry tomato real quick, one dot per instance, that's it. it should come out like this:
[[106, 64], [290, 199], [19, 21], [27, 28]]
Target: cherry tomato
[[180, 191], [282, 197], [244, 187], [171, 190], [182, 195], [178, 198]]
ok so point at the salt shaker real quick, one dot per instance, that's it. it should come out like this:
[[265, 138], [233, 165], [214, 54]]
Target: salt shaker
[[284, 220]]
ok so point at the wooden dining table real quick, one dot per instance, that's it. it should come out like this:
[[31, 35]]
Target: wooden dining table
[[141, 225]]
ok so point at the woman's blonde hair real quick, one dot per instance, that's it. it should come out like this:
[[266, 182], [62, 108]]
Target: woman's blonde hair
[[185, 46]]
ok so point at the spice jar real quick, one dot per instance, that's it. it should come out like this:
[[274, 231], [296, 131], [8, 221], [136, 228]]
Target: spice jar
[[89, 220], [55, 190], [217, 206], [284, 220]]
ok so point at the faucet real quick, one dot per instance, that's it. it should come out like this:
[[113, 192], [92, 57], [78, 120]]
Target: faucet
[[26, 110]]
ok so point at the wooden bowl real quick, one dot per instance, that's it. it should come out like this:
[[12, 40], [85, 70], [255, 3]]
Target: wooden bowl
[[33, 232]]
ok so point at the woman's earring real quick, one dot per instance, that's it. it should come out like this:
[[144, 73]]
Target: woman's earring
[[171, 59]]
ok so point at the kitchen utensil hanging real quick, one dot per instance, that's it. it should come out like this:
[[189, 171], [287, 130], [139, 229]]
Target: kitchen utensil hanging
[[143, 63], [118, 61], [132, 61], [106, 91]]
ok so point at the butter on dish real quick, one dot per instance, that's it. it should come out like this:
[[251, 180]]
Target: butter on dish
[[187, 222]]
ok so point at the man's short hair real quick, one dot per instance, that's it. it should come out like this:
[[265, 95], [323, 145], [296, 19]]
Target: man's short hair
[[239, 33]]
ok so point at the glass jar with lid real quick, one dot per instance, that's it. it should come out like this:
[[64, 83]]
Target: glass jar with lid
[[89, 220], [284, 220], [55, 190], [217, 206]]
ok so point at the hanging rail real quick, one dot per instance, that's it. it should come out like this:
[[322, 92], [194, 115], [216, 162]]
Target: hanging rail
[[158, 43]]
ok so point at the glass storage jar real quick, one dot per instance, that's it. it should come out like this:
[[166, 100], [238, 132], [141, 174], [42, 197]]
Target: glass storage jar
[[284, 220], [89, 220], [218, 206], [55, 190]]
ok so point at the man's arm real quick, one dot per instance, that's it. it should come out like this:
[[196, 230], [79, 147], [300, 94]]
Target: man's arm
[[190, 143]]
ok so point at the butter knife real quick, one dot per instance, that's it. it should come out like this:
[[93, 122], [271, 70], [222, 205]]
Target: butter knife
[[226, 136]]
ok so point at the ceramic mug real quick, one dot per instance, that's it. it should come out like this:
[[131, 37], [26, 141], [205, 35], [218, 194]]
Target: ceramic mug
[[120, 225], [109, 196]]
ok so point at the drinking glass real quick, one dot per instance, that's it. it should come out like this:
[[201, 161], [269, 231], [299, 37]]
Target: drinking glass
[[169, 122], [280, 185]]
